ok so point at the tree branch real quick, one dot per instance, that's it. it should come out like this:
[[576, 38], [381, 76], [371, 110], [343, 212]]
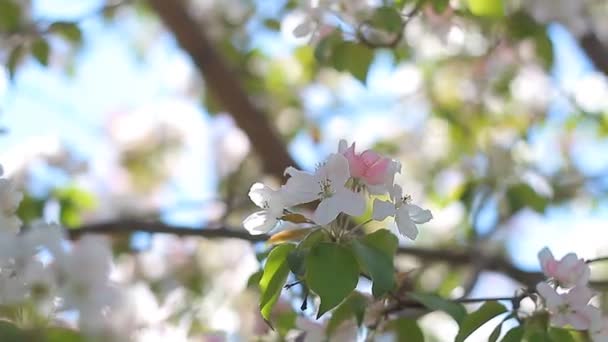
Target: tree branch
[[597, 52], [224, 84], [453, 257], [129, 226]]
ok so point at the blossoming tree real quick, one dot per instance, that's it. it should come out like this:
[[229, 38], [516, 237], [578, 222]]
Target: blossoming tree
[[478, 131]]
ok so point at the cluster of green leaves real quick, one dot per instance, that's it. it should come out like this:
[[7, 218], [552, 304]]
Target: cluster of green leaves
[[33, 39], [329, 269], [10, 332]]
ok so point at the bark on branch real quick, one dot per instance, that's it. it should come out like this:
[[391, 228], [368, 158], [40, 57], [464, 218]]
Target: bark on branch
[[494, 263], [224, 84], [597, 52]]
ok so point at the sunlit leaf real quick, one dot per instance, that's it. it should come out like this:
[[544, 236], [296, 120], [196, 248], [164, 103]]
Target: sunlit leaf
[[487, 8], [436, 303], [68, 31], [273, 278], [514, 335], [377, 264], [41, 51], [407, 330], [332, 273], [478, 318]]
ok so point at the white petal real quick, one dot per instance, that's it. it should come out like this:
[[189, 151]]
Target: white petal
[[579, 296], [301, 187], [327, 211], [406, 226], [342, 146], [545, 256], [551, 297], [383, 209], [260, 194], [259, 223], [336, 170], [396, 193], [418, 214], [349, 202]]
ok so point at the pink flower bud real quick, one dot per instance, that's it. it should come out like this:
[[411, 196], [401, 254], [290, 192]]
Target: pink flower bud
[[368, 166]]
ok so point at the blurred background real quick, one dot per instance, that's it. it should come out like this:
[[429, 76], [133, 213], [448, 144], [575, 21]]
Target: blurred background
[[115, 112]]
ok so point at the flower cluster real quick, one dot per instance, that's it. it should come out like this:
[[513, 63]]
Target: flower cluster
[[40, 270], [566, 295], [341, 185]]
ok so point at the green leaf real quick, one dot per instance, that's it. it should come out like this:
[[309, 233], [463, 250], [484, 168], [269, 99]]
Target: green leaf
[[495, 333], [295, 260], [353, 58], [254, 279], [514, 335], [377, 264], [332, 273], [14, 59], [11, 333], [478, 318], [63, 335], [272, 24], [487, 8], [274, 277], [544, 48], [434, 302], [68, 31], [388, 19], [522, 195], [407, 330], [353, 307], [10, 15], [440, 5], [560, 335], [41, 50], [314, 238], [383, 240]]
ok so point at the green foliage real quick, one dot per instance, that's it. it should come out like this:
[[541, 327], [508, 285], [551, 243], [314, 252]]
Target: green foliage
[[10, 15], [10, 332], [353, 307], [63, 335], [440, 5], [514, 335], [30, 208], [407, 330], [434, 302], [487, 8], [273, 278], [522, 195], [41, 50], [68, 31], [560, 335], [353, 58], [388, 19], [332, 273], [345, 56], [375, 254], [73, 202], [296, 258], [14, 59], [478, 318]]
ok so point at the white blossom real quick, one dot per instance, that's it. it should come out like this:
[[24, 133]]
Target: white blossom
[[569, 308], [406, 215], [272, 204], [327, 184]]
